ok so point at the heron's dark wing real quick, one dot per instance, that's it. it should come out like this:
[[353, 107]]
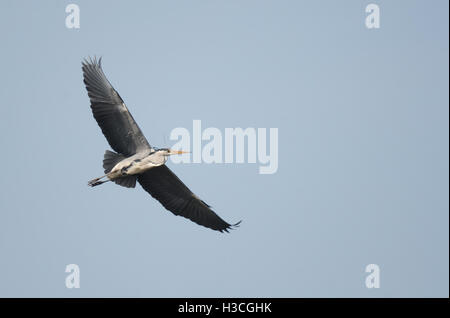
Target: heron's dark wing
[[175, 196], [113, 117]]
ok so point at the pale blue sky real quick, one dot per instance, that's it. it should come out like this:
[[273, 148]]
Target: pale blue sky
[[363, 148]]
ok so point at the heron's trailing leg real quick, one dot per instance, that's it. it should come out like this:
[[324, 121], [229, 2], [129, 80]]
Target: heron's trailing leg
[[96, 181]]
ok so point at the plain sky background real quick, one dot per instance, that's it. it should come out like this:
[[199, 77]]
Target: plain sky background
[[363, 171]]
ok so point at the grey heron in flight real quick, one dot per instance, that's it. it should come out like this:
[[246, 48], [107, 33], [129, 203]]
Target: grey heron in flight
[[134, 159]]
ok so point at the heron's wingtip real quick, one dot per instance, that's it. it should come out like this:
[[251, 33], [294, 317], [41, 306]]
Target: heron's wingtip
[[231, 227]]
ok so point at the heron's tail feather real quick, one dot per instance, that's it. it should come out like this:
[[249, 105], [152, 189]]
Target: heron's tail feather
[[110, 160]]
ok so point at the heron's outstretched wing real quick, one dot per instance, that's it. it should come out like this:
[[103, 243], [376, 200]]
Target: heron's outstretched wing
[[113, 117], [175, 196]]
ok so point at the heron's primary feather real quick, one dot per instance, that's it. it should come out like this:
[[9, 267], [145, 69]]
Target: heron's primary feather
[[117, 124]]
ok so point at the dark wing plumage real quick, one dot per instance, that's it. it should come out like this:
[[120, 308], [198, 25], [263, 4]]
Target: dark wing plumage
[[176, 197], [113, 117]]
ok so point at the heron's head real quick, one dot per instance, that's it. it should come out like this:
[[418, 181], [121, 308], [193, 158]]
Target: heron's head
[[169, 152]]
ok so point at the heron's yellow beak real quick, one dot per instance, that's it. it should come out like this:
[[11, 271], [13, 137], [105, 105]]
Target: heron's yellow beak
[[177, 152]]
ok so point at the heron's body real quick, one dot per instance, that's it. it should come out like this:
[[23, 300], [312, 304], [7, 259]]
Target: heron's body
[[135, 160], [136, 164]]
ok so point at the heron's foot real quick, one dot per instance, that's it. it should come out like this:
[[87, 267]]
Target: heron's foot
[[93, 181], [96, 182], [93, 184]]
